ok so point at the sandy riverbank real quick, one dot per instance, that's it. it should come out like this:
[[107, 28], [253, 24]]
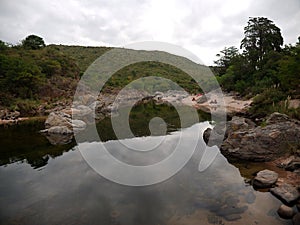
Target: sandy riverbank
[[231, 104]]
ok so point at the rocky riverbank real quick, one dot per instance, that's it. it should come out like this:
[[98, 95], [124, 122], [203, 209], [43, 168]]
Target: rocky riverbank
[[277, 142]]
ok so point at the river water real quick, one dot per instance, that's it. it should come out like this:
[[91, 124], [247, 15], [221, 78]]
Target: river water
[[46, 184]]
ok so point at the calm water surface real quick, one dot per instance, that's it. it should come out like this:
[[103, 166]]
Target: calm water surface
[[46, 184]]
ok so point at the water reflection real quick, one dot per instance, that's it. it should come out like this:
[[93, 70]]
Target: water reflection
[[68, 191], [24, 142]]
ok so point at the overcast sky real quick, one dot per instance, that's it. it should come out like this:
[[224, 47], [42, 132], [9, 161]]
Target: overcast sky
[[202, 27]]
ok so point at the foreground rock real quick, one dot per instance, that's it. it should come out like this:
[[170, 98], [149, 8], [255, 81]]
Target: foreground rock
[[266, 143], [265, 179], [286, 212], [287, 193]]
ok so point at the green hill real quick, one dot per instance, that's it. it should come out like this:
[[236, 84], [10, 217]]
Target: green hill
[[45, 75]]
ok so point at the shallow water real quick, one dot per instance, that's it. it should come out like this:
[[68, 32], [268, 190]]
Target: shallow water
[[45, 184]]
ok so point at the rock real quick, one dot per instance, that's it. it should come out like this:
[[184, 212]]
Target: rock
[[3, 114], [296, 219], [287, 193], [250, 197], [78, 125], [276, 117], [9, 115], [202, 99], [238, 123], [58, 119], [232, 217], [284, 162], [87, 99], [285, 212], [232, 213], [58, 139], [62, 123], [261, 143], [81, 110], [96, 105], [59, 130], [265, 179], [14, 115], [293, 165], [206, 135]]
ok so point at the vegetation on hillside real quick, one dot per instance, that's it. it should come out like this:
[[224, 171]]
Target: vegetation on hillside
[[32, 73], [264, 69]]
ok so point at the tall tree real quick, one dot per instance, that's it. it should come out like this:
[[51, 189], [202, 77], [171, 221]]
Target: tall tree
[[226, 57], [33, 42], [261, 37]]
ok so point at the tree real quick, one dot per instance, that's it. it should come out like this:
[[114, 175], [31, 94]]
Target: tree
[[3, 45], [33, 42], [227, 56], [261, 37]]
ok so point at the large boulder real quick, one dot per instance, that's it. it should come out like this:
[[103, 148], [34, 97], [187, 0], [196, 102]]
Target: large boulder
[[58, 119], [224, 129], [262, 143], [62, 123], [265, 179]]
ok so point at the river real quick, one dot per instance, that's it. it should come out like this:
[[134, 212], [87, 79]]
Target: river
[[46, 184]]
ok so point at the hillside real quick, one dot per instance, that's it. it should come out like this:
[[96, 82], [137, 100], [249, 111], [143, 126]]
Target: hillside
[[33, 81]]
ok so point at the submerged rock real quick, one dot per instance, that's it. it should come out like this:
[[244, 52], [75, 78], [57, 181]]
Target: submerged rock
[[265, 179]]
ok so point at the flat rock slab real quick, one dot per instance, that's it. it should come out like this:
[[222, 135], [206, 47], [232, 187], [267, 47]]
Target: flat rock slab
[[287, 193], [265, 179]]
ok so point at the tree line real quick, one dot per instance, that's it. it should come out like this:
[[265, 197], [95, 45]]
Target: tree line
[[265, 69]]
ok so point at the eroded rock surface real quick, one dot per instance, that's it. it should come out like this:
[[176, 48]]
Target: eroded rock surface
[[261, 143]]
